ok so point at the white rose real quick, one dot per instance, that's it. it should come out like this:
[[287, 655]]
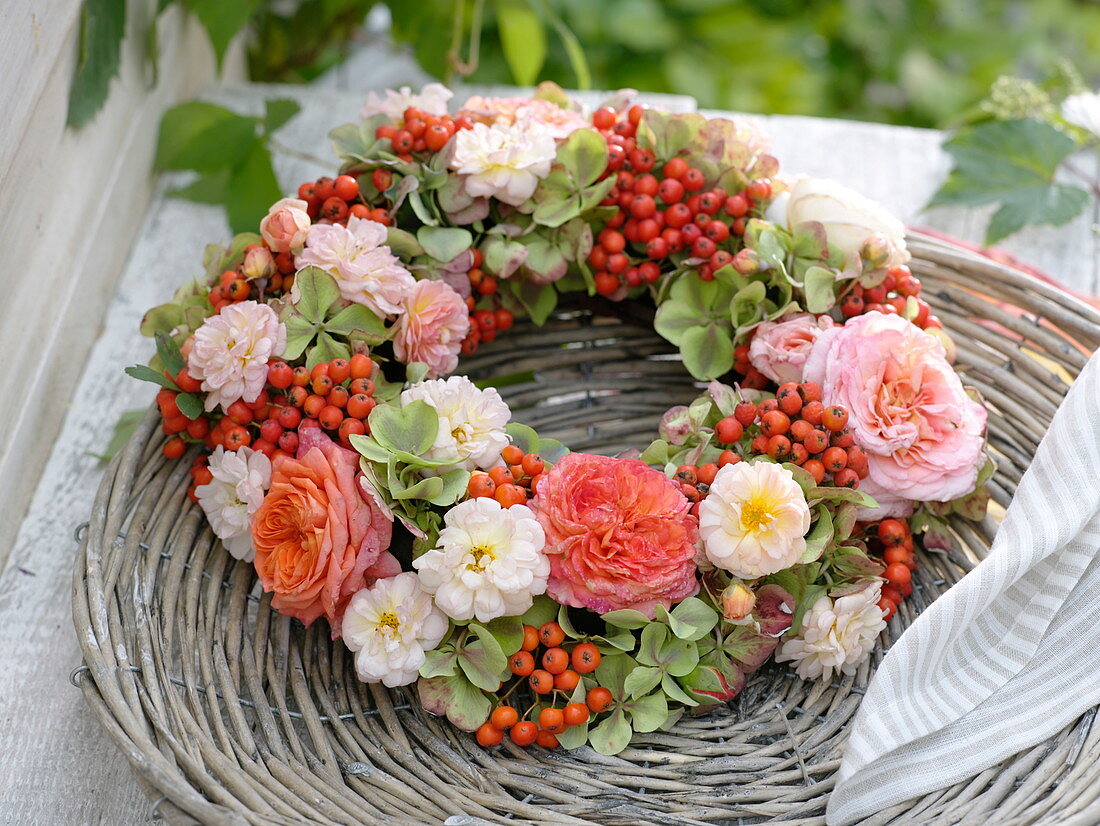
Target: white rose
[[431, 100], [471, 422], [504, 161], [753, 521], [390, 626], [836, 635], [849, 218], [488, 562], [241, 478]]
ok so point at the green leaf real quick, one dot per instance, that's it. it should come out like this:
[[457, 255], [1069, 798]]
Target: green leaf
[[169, 353], [642, 680], [620, 639], [252, 188], [649, 713], [707, 351], [819, 285], [539, 301], [411, 428], [626, 618], [444, 243], [143, 373], [326, 349], [207, 188], [315, 291], [277, 112], [222, 21], [204, 137], [612, 672], [834, 494], [483, 661], [507, 631], [102, 27], [161, 319], [819, 536], [612, 735], [403, 244], [584, 156], [355, 318], [1013, 163], [441, 662], [463, 703], [671, 688], [299, 335], [190, 405], [542, 610], [523, 39], [692, 619]]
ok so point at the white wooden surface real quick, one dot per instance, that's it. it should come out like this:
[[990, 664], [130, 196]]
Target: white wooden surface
[[56, 766], [71, 202]]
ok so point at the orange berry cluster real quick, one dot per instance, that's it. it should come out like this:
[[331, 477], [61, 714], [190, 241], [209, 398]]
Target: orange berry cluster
[[511, 483], [559, 676], [334, 200], [492, 318], [658, 217], [895, 540], [891, 297], [418, 132], [260, 272]]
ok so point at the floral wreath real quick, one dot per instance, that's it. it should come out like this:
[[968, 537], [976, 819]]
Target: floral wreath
[[553, 597]]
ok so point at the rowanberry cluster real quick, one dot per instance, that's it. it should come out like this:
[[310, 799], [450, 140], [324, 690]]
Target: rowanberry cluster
[[894, 539], [560, 673], [512, 483], [418, 132], [492, 318], [260, 273], [334, 200], [891, 297], [658, 217], [336, 396]]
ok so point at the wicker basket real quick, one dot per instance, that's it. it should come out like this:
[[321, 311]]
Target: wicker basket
[[231, 714]]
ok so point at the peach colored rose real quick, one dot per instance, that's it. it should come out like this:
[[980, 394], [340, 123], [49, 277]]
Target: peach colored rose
[[286, 224], [561, 122], [317, 540], [779, 349], [923, 435], [433, 322], [619, 534]]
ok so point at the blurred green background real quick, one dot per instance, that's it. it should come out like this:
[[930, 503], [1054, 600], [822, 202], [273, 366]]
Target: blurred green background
[[916, 62]]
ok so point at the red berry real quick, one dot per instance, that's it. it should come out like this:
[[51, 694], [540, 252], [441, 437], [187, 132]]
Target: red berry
[[737, 205], [530, 638], [541, 682], [759, 190], [835, 418], [774, 422], [892, 532], [504, 717], [346, 187], [745, 412], [524, 733], [693, 180], [382, 179], [898, 573], [729, 430], [489, 735], [555, 660], [586, 658], [599, 699], [575, 714], [174, 448], [551, 634], [522, 664]]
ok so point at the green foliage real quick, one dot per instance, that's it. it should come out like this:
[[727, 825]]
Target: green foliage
[[102, 26], [1012, 164], [229, 151]]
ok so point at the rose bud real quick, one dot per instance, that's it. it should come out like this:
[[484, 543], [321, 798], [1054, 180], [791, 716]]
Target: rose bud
[[286, 225], [258, 263], [746, 262], [738, 600], [876, 251]]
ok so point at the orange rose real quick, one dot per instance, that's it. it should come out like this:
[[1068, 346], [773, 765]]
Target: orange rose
[[317, 540]]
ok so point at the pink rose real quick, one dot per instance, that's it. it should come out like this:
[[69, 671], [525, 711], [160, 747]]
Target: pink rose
[[619, 534], [923, 435], [779, 349], [431, 327], [317, 540], [286, 225]]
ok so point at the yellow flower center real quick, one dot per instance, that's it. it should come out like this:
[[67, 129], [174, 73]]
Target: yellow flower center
[[482, 555], [757, 512], [389, 620]]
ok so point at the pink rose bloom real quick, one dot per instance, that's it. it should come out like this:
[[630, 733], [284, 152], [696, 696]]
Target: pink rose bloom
[[230, 352], [358, 257], [619, 534], [923, 435], [507, 111], [779, 349], [431, 328], [286, 224], [317, 540]]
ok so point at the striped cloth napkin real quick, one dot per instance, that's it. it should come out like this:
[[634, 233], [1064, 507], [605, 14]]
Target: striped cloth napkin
[[1007, 657]]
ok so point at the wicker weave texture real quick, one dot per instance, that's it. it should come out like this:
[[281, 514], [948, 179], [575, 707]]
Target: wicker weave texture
[[232, 714]]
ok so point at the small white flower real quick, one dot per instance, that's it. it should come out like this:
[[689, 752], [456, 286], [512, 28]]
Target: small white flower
[[365, 269], [849, 218], [504, 161], [390, 626], [488, 562], [235, 493], [231, 351], [753, 521], [431, 100], [471, 422], [836, 635], [1083, 110]]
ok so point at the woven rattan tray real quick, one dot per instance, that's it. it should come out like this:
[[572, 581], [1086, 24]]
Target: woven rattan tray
[[232, 714]]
